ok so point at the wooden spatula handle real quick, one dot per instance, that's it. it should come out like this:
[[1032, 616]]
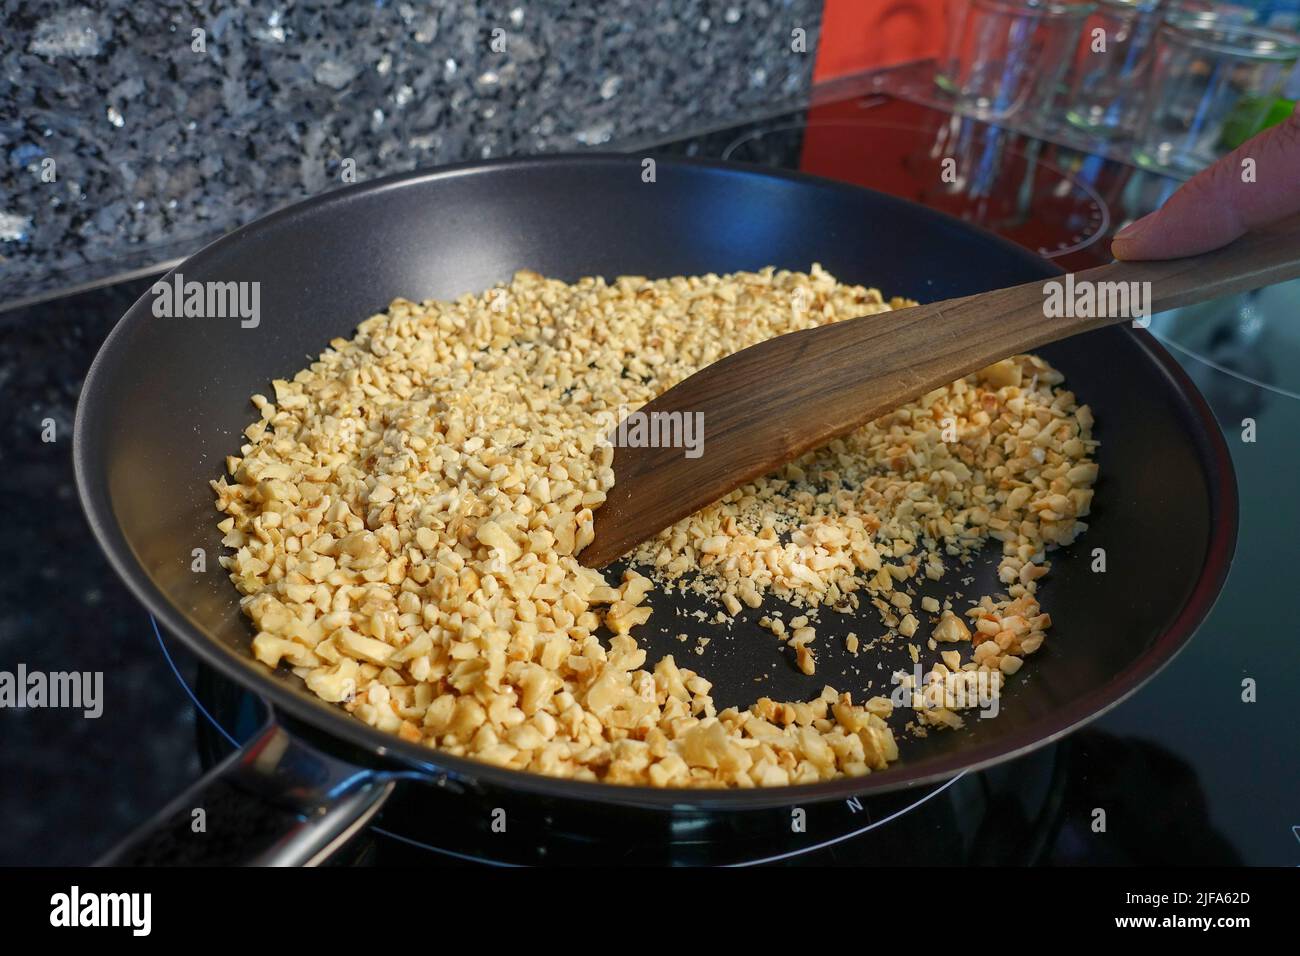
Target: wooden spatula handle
[[1257, 259], [772, 402]]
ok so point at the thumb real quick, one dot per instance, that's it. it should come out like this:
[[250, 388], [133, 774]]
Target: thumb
[[1221, 202]]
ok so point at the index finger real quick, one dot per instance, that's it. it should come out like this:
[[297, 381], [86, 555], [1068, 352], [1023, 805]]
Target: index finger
[[1254, 185]]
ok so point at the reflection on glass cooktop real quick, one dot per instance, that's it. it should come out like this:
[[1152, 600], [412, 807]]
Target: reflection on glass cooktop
[[1186, 770], [970, 170]]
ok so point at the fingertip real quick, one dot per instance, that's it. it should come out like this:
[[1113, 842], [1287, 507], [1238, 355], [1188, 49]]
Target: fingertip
[[1121, 249], [1126, 248], [1127, 244]]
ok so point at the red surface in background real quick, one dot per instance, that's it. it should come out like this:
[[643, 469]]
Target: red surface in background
[[834, 151], [859, 35]]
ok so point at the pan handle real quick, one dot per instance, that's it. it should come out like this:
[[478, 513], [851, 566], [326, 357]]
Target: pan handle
[[277, 802]]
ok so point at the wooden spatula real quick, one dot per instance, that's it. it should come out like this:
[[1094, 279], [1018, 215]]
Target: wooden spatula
[[770, 403]]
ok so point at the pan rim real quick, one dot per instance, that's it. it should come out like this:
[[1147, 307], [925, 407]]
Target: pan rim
[[396, 754]]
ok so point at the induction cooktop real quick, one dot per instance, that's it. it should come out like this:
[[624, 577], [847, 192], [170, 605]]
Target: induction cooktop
[[1198, 767]]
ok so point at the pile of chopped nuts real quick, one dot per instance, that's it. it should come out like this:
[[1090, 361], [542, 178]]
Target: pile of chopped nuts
[[405, 518]]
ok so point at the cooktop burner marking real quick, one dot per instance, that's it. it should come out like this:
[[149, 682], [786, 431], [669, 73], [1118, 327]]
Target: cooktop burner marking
[[186, 687], [849, 836], [1240, 376]]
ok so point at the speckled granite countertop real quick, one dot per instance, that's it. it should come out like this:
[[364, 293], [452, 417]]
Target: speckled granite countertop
[[132, 133]]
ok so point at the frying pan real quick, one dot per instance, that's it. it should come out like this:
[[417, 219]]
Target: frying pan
[[167, 399]]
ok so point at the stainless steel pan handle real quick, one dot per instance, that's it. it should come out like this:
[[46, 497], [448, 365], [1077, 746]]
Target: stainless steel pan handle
[[277, 802]]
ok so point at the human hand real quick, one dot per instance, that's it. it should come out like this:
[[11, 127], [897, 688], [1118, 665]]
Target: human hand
[[1221, 202]]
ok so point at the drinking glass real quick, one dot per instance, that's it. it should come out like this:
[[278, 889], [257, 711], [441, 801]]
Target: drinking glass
[[1108, 83], [1006, 58], [1213, 83]]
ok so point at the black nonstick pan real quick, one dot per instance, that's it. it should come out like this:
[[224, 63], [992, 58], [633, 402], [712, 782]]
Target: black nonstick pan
[[167, 399]]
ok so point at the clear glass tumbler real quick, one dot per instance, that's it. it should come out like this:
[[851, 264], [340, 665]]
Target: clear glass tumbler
[[948, 67], [1006, 58], [1212, 11], [1109, 79], [1212, 83]]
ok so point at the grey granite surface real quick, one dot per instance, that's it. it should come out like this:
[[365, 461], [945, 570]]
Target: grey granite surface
[[127, 138]]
